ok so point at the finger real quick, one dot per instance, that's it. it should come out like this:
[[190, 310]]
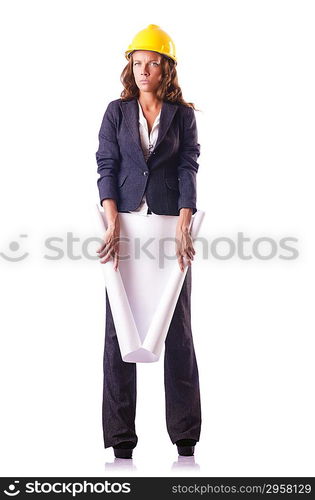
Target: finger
[[181, 262], [107, 249], [189, 254], [186, 260], [103, 252], [191, 249], [115, 246], [100, 248], [116, 254], [106, 258], [116, 259], [106, 239]]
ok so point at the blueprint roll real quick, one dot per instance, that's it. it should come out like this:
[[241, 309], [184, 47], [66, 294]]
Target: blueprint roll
[[144, 291]]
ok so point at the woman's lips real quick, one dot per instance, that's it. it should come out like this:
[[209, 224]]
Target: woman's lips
[[144, 81]]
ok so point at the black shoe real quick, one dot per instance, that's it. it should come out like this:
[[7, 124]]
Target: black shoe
[[186, 447], [123, 452], [124, 449]]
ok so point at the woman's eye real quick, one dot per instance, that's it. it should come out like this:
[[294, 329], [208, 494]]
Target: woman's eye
[[153, 63]]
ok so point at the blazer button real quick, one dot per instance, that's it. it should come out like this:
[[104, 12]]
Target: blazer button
[[145, 173]]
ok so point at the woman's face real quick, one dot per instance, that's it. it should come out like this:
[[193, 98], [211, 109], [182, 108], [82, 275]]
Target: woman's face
[[147, 70]]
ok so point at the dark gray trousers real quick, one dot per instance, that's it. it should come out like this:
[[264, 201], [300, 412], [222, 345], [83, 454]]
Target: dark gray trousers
[[181, 380]]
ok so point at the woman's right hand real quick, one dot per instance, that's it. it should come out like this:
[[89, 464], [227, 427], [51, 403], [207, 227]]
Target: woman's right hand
[[110, 246]]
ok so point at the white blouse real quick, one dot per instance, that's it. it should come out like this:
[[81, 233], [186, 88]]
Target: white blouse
[[148, 142]]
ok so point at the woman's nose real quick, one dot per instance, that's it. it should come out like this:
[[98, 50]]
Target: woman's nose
[[144, 71]]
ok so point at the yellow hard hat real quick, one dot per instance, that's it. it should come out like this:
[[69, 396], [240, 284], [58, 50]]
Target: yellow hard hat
[[155, 39]]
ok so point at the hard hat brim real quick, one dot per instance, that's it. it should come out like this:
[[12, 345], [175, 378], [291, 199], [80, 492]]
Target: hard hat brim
[[129, 52]]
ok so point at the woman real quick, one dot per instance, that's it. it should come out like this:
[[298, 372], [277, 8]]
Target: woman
[[147, 162]]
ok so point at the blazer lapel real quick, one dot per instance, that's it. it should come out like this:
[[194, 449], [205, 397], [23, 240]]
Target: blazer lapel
[[130, 112], [131, 115], [167, 114]]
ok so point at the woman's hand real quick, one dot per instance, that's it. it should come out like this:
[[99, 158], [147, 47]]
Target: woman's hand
[[184, 247], [110, 246], [184, 243]]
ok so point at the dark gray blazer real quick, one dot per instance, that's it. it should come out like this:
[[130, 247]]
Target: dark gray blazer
[[168, 178]]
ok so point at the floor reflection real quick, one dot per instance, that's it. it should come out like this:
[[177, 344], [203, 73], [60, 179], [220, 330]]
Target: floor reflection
[[121, 464], [185, 463], [127, 464]]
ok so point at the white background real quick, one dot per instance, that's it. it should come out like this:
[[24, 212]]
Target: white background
[[249, 67]]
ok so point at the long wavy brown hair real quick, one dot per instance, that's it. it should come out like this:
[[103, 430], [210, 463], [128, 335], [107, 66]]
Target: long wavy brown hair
[[169, 90]]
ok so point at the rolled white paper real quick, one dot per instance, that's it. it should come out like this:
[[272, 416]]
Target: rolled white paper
[[144, 291]]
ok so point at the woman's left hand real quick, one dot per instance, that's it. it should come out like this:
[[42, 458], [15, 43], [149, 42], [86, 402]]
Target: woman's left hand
[[184, 246]]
